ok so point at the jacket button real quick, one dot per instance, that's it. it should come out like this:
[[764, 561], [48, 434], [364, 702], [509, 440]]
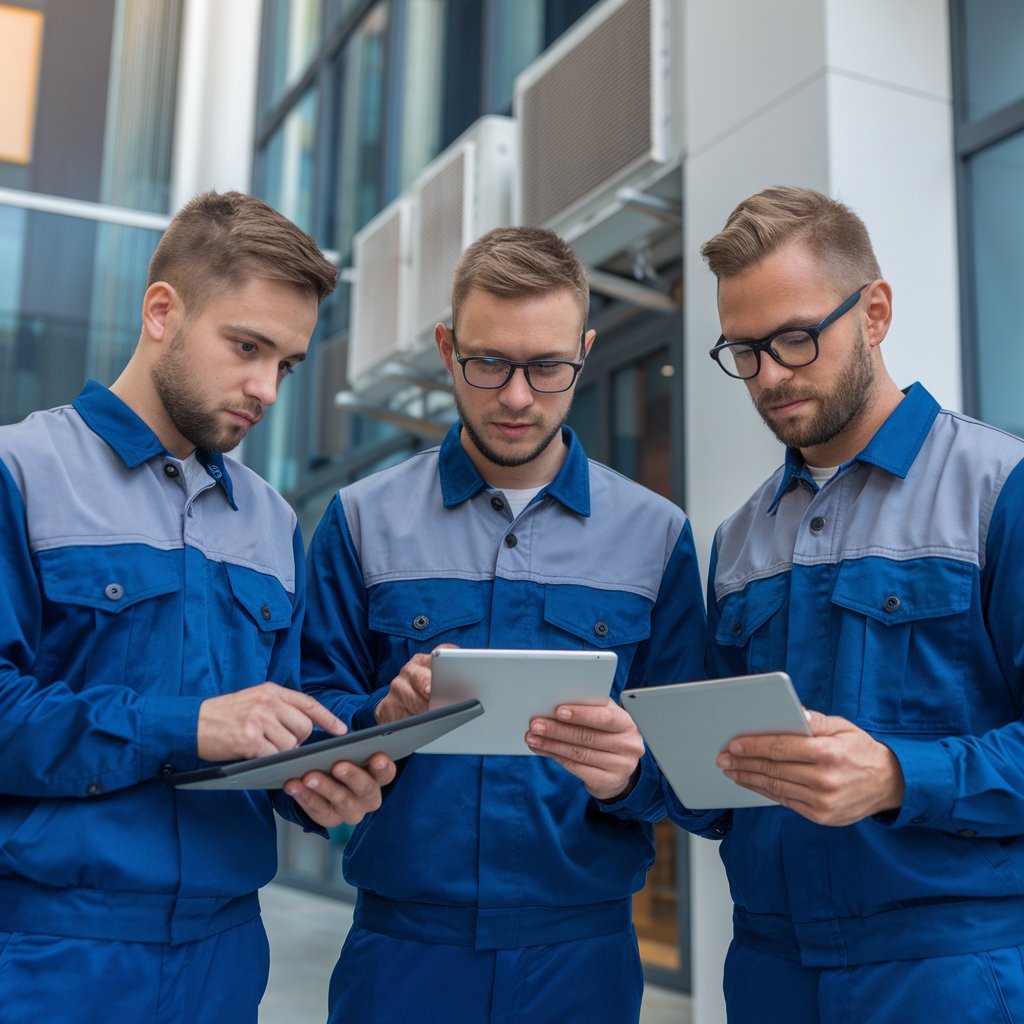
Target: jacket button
[[170, 469], [601, 628], [420, 622], [497, 504], [511, 540], [892, 603], [265, 612], [818, 524], [737, 628], [94, 789], [968, 833], [114, 591], [166, 769]]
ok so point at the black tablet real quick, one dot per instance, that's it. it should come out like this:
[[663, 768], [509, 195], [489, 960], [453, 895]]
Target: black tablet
[[396, 739]]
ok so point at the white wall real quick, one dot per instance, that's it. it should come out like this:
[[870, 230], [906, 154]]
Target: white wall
[[852, 99]]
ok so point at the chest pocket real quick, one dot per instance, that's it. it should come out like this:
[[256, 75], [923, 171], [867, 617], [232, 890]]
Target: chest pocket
[[903, 641], [607, 620], [752, 630], [415, 616], [105, 603]]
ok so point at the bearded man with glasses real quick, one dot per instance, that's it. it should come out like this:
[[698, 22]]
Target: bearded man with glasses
[[882, 567], [496, 887]]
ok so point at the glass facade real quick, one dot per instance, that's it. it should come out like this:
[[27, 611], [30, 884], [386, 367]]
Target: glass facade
[[989, 107], [99, 81]]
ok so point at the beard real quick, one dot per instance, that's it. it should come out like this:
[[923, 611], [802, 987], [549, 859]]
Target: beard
[[517, 458], [183, 400], [837, 407]]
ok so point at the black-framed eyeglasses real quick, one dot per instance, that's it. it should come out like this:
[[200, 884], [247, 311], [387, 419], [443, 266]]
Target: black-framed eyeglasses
[[547, 376], [791, 347]]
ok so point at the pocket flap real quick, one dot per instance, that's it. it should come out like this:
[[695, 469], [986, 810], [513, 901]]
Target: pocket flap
[[111, 577], [894, 592], [421, 610], [600, 618], [262, 596], [743, 613]]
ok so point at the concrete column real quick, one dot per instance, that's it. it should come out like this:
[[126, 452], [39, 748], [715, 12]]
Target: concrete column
[[853, 99]]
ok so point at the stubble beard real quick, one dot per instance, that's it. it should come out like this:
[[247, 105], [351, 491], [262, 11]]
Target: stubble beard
[[507, 459], [837, 408], [182, 398]]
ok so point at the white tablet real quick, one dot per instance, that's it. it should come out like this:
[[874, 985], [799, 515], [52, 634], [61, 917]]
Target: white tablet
[[513, 687], [687, 725], [396, 739]]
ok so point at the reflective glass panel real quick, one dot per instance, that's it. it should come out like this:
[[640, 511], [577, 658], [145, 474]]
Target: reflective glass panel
[[997, 181], [287, 164], [292, 36], [994, 45]]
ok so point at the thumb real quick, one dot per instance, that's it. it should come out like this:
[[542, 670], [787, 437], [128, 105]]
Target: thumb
[[825, 725]]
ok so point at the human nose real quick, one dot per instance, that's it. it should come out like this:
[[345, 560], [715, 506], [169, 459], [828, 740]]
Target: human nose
[[262, 384], [517, 393], [772, 371]]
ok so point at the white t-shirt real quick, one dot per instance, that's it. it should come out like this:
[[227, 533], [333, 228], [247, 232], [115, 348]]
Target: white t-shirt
[[519, 497], [821, 474]]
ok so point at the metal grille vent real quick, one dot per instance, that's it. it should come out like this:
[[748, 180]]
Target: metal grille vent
[[442, 230], [588, 117], [376, 318]]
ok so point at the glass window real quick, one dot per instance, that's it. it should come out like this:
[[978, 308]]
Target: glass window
[[291, 33], [994, 42], [997, 180], [642, 416], [287, 164], [422, 92], [70, 293], [359, 145], [519, 37]]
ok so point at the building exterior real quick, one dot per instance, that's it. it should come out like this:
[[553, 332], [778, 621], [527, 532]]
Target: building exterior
[[355, 117]]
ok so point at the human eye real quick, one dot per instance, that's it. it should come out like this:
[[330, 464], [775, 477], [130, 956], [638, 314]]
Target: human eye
[[548, 369], [793, 347], [284, 368], [246, 348], [491, 368]]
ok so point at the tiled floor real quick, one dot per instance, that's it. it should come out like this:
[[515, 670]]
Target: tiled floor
[[306, 933]]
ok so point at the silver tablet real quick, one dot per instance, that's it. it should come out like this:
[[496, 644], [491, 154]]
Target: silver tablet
[[396, 739], [513, 686], [687, 725]]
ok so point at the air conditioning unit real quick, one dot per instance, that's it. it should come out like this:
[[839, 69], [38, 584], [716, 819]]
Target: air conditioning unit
[[379, 331], [601, 128], [461, 195]]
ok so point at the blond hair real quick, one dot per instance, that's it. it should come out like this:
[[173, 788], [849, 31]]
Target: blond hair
[[774, 217]]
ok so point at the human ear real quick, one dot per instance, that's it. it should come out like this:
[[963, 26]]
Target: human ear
[[877, 300], [160, 305]]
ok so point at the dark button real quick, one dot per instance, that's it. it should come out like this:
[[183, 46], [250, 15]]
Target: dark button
[[511, 540], [968, 833], [265, 612], [94, 789], [818, 524], [892, 603], [166, 769], [916, 821], [737, 628], [420, 622], [601, 628], [497, 504], [170, 469], [114, 591]]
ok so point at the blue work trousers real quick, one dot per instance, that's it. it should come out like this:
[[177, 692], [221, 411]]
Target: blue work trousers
[[385, 980], [971, 988], [217, 980]]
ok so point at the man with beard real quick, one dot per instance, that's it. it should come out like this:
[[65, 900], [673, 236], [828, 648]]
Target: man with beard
[[499, 888], [882, 567], [150, 587]]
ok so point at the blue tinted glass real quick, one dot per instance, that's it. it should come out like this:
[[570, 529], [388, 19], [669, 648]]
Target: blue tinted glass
[[287, 164], [291, 37], [997, 181], [994, 33]]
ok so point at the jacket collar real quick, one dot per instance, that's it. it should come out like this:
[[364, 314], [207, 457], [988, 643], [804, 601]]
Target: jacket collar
[[893, 447], [135, 443], [460, 479]]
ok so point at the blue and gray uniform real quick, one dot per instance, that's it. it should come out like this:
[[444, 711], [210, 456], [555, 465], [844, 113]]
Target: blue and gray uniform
[[892, 596], [494, 854], [131, 590]]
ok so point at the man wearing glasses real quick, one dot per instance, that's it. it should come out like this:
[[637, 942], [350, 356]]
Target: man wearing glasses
[[882, 567], [499, 888]]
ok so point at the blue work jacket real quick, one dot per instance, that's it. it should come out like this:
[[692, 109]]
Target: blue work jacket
[[893, 597], [128, 597], [496, 851]]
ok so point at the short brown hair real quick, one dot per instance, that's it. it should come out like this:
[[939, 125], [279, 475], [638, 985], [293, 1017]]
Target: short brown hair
[[776, 216], [219, 239], [515, 262]]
